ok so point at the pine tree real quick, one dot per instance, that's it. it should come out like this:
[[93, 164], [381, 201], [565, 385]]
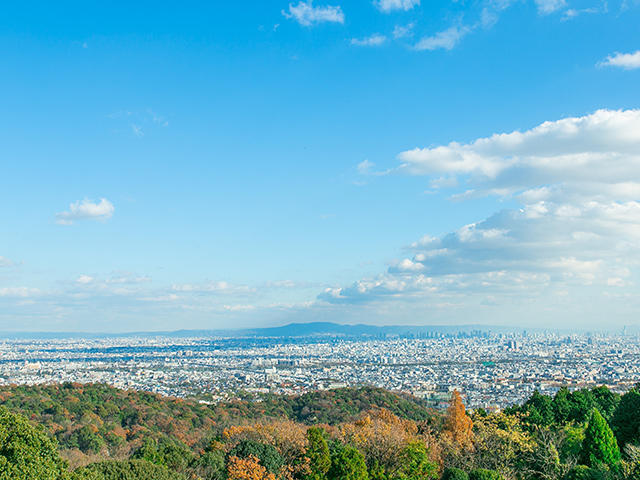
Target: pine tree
[[318, 454], [599, 445]]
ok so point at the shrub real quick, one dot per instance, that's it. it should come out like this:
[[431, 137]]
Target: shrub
[[484, 474], [452, 473]]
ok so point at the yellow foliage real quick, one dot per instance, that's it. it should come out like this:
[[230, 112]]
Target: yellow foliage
[[247, 469]]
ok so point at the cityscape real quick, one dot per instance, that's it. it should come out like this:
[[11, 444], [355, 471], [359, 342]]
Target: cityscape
[[491, 370]]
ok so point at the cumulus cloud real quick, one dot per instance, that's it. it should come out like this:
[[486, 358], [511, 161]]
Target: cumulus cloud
[[577, 226], [374, 40], [391, 5], [86, 210], [602, 149], [306, 14], [627, 61], [445, 40]]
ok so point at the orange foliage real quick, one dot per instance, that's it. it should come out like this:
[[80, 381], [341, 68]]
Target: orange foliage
[[287, 436], [247, 469], [458, 426]]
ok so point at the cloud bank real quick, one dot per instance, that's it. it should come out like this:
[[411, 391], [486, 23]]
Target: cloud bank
[[577, 227]]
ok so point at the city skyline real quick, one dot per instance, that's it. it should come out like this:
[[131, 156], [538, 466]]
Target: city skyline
[[389, 162]]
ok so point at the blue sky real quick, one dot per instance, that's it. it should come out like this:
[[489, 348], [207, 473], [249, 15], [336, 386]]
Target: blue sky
[[222, 164]]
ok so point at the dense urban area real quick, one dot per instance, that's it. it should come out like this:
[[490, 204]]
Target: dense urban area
[[491, 370]]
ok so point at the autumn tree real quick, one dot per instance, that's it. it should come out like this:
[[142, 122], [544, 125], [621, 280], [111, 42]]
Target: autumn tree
[[500, 442], [248, 468], [267, 455], [381, 436], [599, 445], [458, 425]]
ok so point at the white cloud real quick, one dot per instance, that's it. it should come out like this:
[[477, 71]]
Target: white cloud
[[577, 227], [627, 61], [391, 5], [603, 148], [212, 287], [21, 292], [573, 13], [85, 209], [306, 14], [445, 40], [84, 279], [545, 7], [403, 31], [374, 40]]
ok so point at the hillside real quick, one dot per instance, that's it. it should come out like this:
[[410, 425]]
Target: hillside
[[96, 417], [95, 432]]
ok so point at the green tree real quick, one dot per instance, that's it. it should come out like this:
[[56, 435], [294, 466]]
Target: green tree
[[347, 463], [210, 465], [451, 473], [539, 409], [27, 453], [606, 401], [626, 419], [484, 474], [562, 405], [583, 403], [318, 454], [126, 470], [599, 445], [415, 463], [268, 455], [582, 472]]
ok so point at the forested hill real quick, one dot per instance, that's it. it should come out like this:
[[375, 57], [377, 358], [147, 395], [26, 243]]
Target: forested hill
[[93, 417], [95, 432]]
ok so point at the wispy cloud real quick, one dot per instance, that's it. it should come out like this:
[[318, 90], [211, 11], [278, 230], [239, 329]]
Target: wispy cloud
[[546, 7], [86, 210], [446, 40], [5, 262], [306, 14], [139, 122], [403, 31], [575, 12], [391, 5], [627, 61], [19, 292], [374, 40]]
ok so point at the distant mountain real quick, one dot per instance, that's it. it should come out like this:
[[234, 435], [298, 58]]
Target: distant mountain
[[359, 330], [292, 330]]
